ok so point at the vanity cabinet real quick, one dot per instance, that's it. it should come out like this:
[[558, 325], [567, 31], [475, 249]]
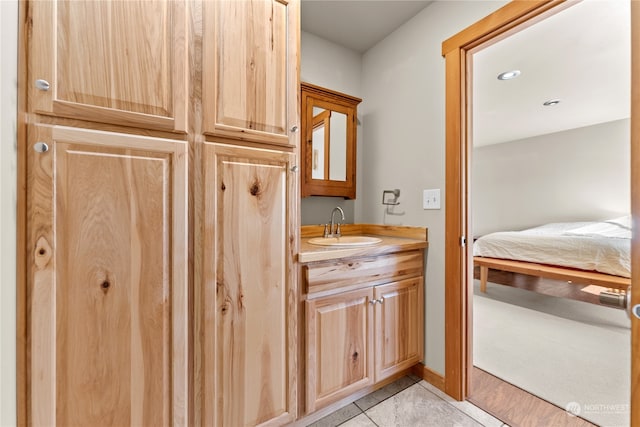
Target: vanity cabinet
[[339, 339], [364, 323], [399, 325]]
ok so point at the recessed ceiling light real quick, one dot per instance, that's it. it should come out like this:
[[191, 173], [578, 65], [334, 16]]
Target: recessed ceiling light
[[508, 75], [551, 102]]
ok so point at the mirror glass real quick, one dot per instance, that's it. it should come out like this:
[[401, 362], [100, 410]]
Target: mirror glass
[[329, 141]]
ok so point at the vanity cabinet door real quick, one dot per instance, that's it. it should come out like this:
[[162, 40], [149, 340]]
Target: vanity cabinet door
[[339, 346], [250, 89], [248, 288], [399, 318], [116, 62]]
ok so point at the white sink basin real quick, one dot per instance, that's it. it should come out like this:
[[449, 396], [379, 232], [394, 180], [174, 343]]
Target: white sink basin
[[345, 241]]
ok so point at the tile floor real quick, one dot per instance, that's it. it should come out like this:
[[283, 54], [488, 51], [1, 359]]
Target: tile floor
[[408, 402]]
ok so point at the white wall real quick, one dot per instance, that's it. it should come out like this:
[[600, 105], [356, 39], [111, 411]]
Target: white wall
[[404, 134], [575, 175], [329, 65], [8, 173]]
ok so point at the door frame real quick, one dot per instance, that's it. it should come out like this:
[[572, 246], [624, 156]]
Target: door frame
[[458, 51]]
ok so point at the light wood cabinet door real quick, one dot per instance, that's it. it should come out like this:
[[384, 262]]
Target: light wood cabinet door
[[118, 62], [249, 293], [339, 346], [399, 326], [250, 89], [107, 279]]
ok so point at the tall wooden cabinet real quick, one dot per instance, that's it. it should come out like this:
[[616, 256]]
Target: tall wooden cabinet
[[161, 217], [251, 90], [107, 265], [250, 211], [119, 62], [249, 287]]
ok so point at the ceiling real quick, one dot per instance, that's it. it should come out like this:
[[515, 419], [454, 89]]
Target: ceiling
[[580, 56], [357, 24]]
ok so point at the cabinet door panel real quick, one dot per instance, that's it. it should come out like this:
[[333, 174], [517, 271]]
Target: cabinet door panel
[[339, 346], [108, 279], [399, 326], [119, 62], [251, 49], [249, 287]]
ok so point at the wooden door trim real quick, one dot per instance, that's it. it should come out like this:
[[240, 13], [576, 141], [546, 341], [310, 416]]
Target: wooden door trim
[[22, 406], [457, 51], [635, 210], [512, 17]]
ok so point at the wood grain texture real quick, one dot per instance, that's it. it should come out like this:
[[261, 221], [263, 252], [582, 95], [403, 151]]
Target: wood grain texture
[[513, 14], [250, 300], [364, 271], [457, 51], [386, 307], [429, 375], [399, 320], [635, 210], [339, 344], [456, 381], [409, 232], [310, 253], [549, 272], [22, 363], [114, 62], [249, 48], [515, 406], [108, 330]]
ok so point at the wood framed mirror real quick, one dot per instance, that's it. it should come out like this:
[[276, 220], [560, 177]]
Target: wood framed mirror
[[328, 149]]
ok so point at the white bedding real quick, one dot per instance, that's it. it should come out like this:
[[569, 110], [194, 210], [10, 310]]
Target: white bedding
[[602, 246]]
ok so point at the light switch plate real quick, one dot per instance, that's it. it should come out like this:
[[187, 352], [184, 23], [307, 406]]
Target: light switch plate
[[431, 199]]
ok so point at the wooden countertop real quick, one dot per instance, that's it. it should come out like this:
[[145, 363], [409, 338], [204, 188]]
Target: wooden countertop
[[394, 239]]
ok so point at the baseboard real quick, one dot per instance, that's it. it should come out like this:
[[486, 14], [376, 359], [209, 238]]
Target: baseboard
[[432, 377]]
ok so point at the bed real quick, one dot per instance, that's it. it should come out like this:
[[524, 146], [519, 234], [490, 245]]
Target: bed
[[593, 253]]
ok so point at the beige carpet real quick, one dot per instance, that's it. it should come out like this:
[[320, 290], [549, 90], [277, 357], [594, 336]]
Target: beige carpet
[[570, 353]]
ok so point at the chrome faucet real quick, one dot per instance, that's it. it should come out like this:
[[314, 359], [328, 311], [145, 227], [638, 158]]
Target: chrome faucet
[[331, 232]]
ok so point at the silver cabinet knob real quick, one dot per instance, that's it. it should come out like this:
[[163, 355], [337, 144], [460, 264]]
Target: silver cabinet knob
[[42, 84], [41, 147], [294, 168], [373, 301], [294, 128]]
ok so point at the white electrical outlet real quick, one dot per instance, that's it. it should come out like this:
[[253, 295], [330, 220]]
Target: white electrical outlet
[[431, 199]]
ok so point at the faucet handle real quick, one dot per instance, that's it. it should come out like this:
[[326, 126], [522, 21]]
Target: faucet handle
[[326, 232], [338, 231]]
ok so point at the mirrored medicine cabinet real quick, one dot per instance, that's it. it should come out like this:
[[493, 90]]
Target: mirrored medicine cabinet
[[328, 146]]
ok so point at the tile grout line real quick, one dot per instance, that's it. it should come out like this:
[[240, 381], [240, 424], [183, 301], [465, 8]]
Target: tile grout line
[[374, 423], [461, 411]]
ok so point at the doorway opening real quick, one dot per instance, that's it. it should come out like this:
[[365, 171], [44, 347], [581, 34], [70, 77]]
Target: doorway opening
[[459, 52]]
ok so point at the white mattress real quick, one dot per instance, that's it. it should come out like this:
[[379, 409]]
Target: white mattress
[[603, 246]]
